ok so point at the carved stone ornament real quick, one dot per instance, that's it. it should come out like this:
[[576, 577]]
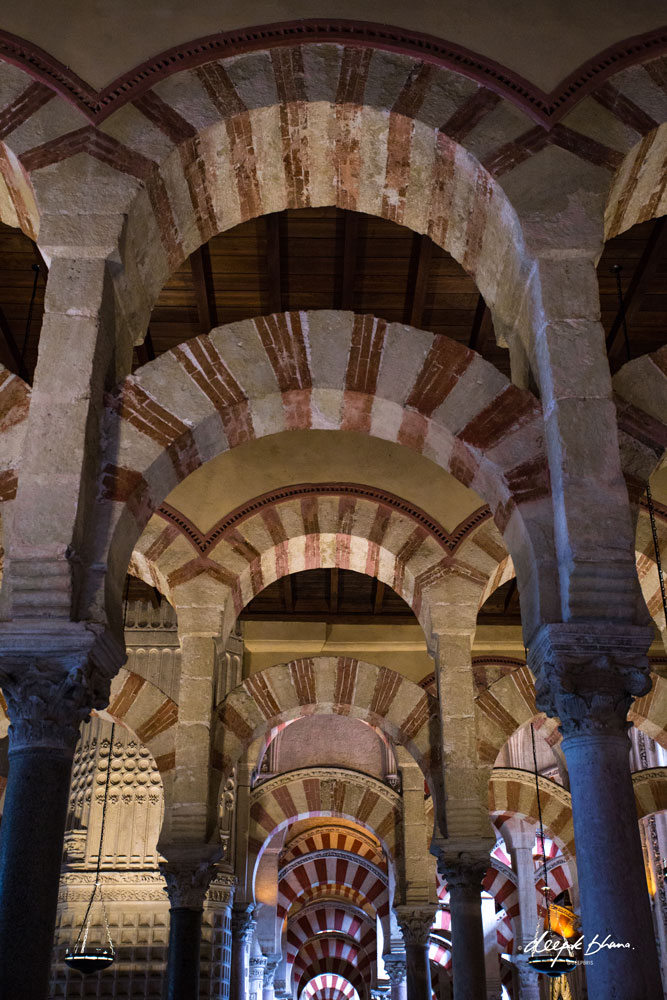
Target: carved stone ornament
[[257, 965], [463, 872], [416, 923], [243, 925], [52, 676], [396, 968], [588, 676], [270, 971], [187, 882], [221, 888]]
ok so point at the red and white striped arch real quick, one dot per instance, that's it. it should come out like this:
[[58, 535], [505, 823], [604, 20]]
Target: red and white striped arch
[[148, 712], [333, 966], [306, 526], [336, 947], [513, 791], [330, 918], [335, 793], [325, 685], [317, 370], [335, 894], [368, 883], [329, 986], [335, 838]]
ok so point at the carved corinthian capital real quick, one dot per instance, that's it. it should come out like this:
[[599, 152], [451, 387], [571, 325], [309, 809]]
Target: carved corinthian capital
[[243, 926], [52, 676], [395, 967], [187, 882], [588, 676], [463, 872], [415, 923]]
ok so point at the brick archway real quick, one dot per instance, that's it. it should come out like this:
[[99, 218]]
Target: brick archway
[[327, 685], [324, 792], [331, 371]]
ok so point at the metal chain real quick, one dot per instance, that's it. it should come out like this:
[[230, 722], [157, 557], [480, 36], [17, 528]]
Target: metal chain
[[539, 813], [85, 925], [656, 546]]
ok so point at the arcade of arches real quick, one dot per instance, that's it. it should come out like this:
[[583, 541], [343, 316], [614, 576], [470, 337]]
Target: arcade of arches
[[324, 455]]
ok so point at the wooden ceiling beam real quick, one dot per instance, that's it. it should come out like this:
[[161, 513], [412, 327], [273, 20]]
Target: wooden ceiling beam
[[146, 351], [288, 595], [273, 263], [642, 275], [416, 293], [200, 265], [350, 249], [12, 347], [333, 591], [378, 600], [475, 342]]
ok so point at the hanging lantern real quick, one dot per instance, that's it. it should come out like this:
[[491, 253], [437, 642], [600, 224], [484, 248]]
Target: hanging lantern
[[563, 920], [83, 957]]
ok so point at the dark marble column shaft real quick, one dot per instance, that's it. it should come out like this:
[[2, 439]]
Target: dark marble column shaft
[[31, 846]]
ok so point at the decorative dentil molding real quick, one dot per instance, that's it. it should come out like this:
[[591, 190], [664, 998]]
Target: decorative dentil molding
[[545, 108], [203, 543], [328, 778], [588, 675]]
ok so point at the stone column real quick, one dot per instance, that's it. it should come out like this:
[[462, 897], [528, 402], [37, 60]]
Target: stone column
[[519, 837], [396, 968], [270, 970], [187, 879], [243, 928], [51, 677], [257, 967], [464, 873], [587, 676], [416, 923]]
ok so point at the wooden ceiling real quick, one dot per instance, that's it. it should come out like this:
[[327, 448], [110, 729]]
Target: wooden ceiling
[[331, 259], [343, 597]]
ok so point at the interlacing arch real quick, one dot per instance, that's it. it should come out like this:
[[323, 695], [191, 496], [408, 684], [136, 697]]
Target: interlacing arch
[[320, 370]]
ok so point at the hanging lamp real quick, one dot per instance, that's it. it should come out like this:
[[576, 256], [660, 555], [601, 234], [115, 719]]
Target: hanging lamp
[[553, 963], [84, 957]]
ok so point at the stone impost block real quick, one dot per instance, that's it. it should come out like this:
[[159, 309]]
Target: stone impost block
[[587, 675]]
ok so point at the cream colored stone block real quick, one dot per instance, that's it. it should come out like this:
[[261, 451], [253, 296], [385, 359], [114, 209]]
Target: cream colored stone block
[[321, 169], [371, 132], [221, 177], [268, 145]]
